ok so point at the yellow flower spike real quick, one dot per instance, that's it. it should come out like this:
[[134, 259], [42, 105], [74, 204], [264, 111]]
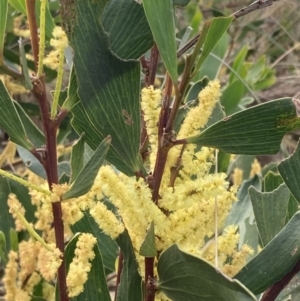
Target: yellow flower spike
[[198, 116], [81, 264], [42, 37], [106, 220], [150, 104], [49, 260], [10, 278]]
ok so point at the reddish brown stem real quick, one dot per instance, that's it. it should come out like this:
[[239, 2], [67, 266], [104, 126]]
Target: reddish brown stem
[[163, 145], [120, 268], [49, 161], [30, 6], [149, 279], [272, 293]]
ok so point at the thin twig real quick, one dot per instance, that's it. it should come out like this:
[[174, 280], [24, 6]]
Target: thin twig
[[259, 4]]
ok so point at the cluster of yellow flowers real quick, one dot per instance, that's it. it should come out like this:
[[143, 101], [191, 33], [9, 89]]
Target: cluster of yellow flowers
[[185, 213]]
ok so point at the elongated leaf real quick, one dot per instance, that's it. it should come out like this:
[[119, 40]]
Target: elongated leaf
[[130, 287], [108, 87], [275, 260], [148, 248], [217, 27], [257, 130], [77, 157], [290, 171], [160, 16], [270, 210], [95, 288], [85, 179], [108, 247], [10, 120], [128, 29], [185, 277], [3, 19]]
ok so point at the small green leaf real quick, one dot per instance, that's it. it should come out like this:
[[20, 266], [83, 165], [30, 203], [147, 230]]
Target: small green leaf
[[275, 260], [77, 157], [185, 277], [290, 171], [270, 209], [95, 288], [88, 173], [3, 249], [217, 27], [160, 16], [33, 133], [72, 95], [257, 130], [128, 29], [14, 242], [10, 120], [108, 247], [148, 247], [3, 19], [130, 287], [23, 63]]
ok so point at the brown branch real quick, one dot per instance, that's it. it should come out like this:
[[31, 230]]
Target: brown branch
[[272, 293]]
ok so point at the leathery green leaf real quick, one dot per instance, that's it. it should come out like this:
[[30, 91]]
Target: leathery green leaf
[[270, 210], [108, 87], [257, 130], [275, 260], [290, 172], [10, 120], [185, 277], [160, 16], [128, 29], [85, 179]]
